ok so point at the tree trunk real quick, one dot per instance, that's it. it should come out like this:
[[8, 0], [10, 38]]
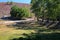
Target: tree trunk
[[37, 19]]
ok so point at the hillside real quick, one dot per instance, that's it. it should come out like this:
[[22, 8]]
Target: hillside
[[5, 9]]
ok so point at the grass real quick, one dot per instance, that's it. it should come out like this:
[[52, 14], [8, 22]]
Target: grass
[[8, 33]]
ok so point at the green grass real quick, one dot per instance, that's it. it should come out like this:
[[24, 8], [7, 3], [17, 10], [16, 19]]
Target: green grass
[[7, 35], [9, 32]]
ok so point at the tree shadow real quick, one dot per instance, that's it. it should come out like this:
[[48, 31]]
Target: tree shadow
[[25, 25], [40, 36], [9, 18], [56, 27]]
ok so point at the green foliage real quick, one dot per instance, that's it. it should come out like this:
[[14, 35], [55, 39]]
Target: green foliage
[[39, 8], [40, 36], [16, 12], [26, 12], [19, 13], [33, 1], [53, 9], [46, 8]]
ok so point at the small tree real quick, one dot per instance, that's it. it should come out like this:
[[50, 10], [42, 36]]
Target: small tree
[[26, 12], [19, 13]]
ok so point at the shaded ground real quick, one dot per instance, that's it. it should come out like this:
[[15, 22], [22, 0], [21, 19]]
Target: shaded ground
[[37, 36], [41, 32], [28, 31]]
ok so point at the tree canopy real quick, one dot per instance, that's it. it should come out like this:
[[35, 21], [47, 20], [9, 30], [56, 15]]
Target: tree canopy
[[19, 13], [46, 8]]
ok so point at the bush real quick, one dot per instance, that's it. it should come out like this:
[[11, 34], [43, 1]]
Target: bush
[[26, 12], [19, 13]]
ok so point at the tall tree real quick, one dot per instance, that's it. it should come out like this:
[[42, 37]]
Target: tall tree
[[46, 8], [39, 7], [33, 1], [53, 7]]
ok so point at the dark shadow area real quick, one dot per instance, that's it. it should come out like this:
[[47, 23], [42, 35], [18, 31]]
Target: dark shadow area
[[6, 18], [56, 27], [50, 24], [26, 26], [10, 18], [40, 36], [32, 26]]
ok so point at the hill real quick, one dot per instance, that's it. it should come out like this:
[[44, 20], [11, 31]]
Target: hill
[[5, 8]]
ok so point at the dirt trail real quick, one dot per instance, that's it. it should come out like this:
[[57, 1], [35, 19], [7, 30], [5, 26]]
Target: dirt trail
[[12, 22]]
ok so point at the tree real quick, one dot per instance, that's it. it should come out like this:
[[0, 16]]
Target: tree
[[19, 13], [53, 9], [39, 7], [33, 1], [46, 9], [26, 12]]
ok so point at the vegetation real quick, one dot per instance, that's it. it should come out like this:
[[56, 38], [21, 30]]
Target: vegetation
[[33, 1], [9, 3], [31, 33], [9, 32], [46, 9], [19, 13], [52, 36], [41, 33]]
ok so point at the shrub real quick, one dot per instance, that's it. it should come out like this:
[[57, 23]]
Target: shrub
[[19, 13]]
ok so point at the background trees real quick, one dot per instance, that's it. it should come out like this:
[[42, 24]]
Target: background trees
[[9, 3]]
